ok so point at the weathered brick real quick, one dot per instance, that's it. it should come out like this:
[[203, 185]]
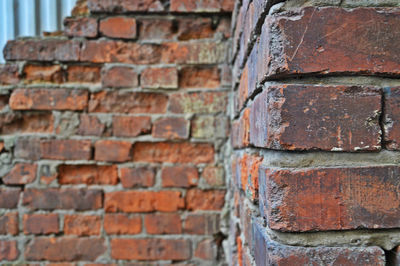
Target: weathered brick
[[391, 121], [150, 249], [128, 102], [335, 43], [209, 127], [131, 126], [112, 150], [143, 201], [83, 74], [17, 122], [9, 197], [159, 78], [240, 134], [122, 224], [41, 224], [210, 52], [82, 225], [48, 99], [9, 223], [38, 73], [199, 77], [331, 198], [206, 250], [9, 250], [9, 74], [65, 249], [137, 177], [90, 125], [106, 51], [171, 128], [198, 102], [87, 174], [197, 199], [183, 152], [42, 50], [120, 77], [81, 27], [305, 117], [214, 176], [125, 6], [21, 174], [163, 223], [3, 101], [202, 6], [179, 176], [268, 252], [248, 170], [119, 27], [66, 149], [68, 198], [202, 224]]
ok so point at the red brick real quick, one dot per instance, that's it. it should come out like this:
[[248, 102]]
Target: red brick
[[9, 223], [112, 150], [199, 28], [8, 250], [90, 125], [173, 152], [214, 176], [202, 224], [120, 77], [128, 102], [41, 224], [137, 177], [106, 51], [143, 201], [21, 174], [125, 6], [391, 126], [68, 198], [171, 128], [9, 74], [244, 89], [48, 99], [336, 44], [193, 52], [66, 149], [150, 249], [241, 129], [87, 174], [199, 77], [248, 166], [119, 27], [83, 74], [131, 126], [157, 29], [82, 225], [159, 78], [304, 117], [206, 250], [80, 27], [27, 148], [331, 198], [65, 249], [37, 74], [121, 224], [202, 6], [42, 50], [13, 123], [198, 102], [9, 198], [163, 223], [179, 176], [197, 199]]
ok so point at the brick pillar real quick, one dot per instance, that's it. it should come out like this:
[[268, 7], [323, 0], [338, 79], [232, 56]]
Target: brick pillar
[[315, 175]]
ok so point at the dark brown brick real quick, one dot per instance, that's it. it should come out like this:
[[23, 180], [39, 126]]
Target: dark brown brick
[[202, 224], [83, 74], [66, 149], [391, 118], [331, 198], [9, 198], [137, 177], [163, 223], [80, 27], [9, 74], [41, 224], [9, 223], [120, 77], [17, 122], [305, 117]]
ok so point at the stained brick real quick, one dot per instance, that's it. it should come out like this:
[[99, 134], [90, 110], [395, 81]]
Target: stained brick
[[66, 149], [206, 250], [143, 201], [198, 102], [391, 121], [179, 176], [21, 173], [119, 77], [90, 125], [159, 78], [38, 73], [48, 99], [209, 126], [150, 249], [163, 223], [80, 27], [193, 52], [41, 224], [214, 176], [9, 250], [131, 126], [137, 177], [173, 152], [122, 224], [202, 224], [9, 223], [82, 225], [125, 6], [171, 128], [87, 174], [83, 74], [9, 197], [9, 74], [13, 123]]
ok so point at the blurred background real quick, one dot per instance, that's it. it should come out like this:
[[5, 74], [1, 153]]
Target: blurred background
[[22, 18]]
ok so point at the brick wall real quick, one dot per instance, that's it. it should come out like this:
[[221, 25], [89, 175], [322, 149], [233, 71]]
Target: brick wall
[[113, 135], [315, 175]]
